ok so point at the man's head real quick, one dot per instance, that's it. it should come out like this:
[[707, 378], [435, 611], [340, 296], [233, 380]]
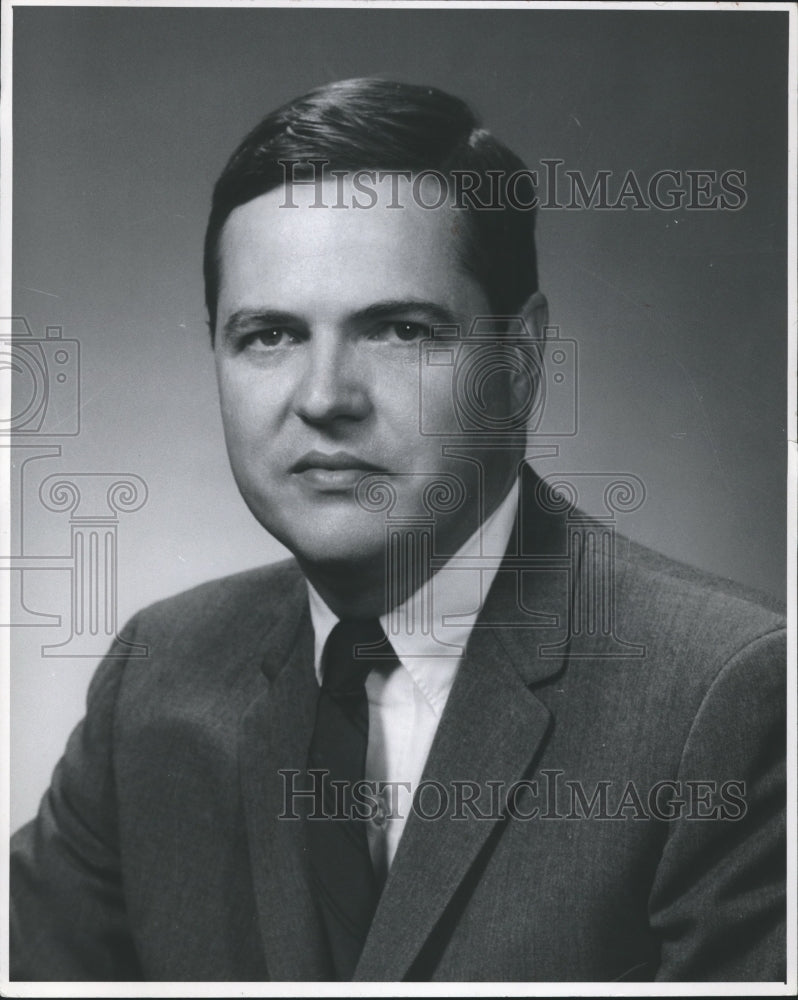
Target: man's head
[[322, 312]]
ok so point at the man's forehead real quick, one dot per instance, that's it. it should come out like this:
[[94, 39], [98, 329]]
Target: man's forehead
[[356, 201], [314, 235]]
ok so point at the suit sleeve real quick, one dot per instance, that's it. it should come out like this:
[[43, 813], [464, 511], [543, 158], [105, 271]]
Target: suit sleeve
[[68, 919], [718, 899]]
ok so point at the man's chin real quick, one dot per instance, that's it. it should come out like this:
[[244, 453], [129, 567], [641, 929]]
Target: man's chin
[[328, 548]]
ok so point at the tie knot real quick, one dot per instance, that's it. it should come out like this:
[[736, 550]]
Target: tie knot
[[351, 652]]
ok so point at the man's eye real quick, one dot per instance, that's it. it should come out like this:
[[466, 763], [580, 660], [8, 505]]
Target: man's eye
[[274, 336], [403, 331]]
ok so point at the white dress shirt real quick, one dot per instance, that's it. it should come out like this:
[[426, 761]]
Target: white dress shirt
[[406, 701]]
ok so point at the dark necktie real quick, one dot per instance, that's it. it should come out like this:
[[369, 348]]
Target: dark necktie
[[346, 885]]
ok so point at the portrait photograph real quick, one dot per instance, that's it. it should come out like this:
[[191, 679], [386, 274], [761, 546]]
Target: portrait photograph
[[398, 572]]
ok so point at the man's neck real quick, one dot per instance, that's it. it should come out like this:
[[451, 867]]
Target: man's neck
[[350, 591]]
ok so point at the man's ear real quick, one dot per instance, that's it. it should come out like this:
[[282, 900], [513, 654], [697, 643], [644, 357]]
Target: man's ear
[[525, 384], [535, 313]]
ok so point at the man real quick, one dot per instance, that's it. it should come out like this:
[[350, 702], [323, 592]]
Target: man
[[467, 733]]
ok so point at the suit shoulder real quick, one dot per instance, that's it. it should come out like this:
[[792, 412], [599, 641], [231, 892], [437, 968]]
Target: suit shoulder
[[209, 642], [695, 611], [680, 577], [260, 591]]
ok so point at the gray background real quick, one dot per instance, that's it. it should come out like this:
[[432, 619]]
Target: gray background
[[124, 117]]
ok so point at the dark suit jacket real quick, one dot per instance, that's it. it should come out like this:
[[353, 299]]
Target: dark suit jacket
[[157, 853]]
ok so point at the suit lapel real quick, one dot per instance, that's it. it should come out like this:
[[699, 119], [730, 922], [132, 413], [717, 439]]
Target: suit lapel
[[274, 738], [491, 731]]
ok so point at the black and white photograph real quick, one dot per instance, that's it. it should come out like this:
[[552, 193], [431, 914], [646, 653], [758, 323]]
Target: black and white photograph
[[398, 565]]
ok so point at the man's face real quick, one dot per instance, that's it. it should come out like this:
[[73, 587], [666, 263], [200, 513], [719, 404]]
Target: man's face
[[320, 319]]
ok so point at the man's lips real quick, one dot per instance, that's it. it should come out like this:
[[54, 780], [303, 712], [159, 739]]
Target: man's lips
[[334, 471], [335, 461]]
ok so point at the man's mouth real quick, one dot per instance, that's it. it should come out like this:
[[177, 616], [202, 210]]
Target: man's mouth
[[335, 471]]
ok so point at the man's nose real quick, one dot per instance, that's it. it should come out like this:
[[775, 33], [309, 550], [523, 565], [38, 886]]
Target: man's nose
[[334, 383]]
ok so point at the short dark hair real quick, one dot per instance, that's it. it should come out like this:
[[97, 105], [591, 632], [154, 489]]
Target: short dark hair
[[374, 124]]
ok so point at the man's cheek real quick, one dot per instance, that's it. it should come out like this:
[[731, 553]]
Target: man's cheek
[[247, 420]]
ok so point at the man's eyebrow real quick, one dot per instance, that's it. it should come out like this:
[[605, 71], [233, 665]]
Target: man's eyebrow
[[260, 317], [432, 312]]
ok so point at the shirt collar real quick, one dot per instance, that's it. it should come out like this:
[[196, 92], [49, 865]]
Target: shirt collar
[[455, 594]]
